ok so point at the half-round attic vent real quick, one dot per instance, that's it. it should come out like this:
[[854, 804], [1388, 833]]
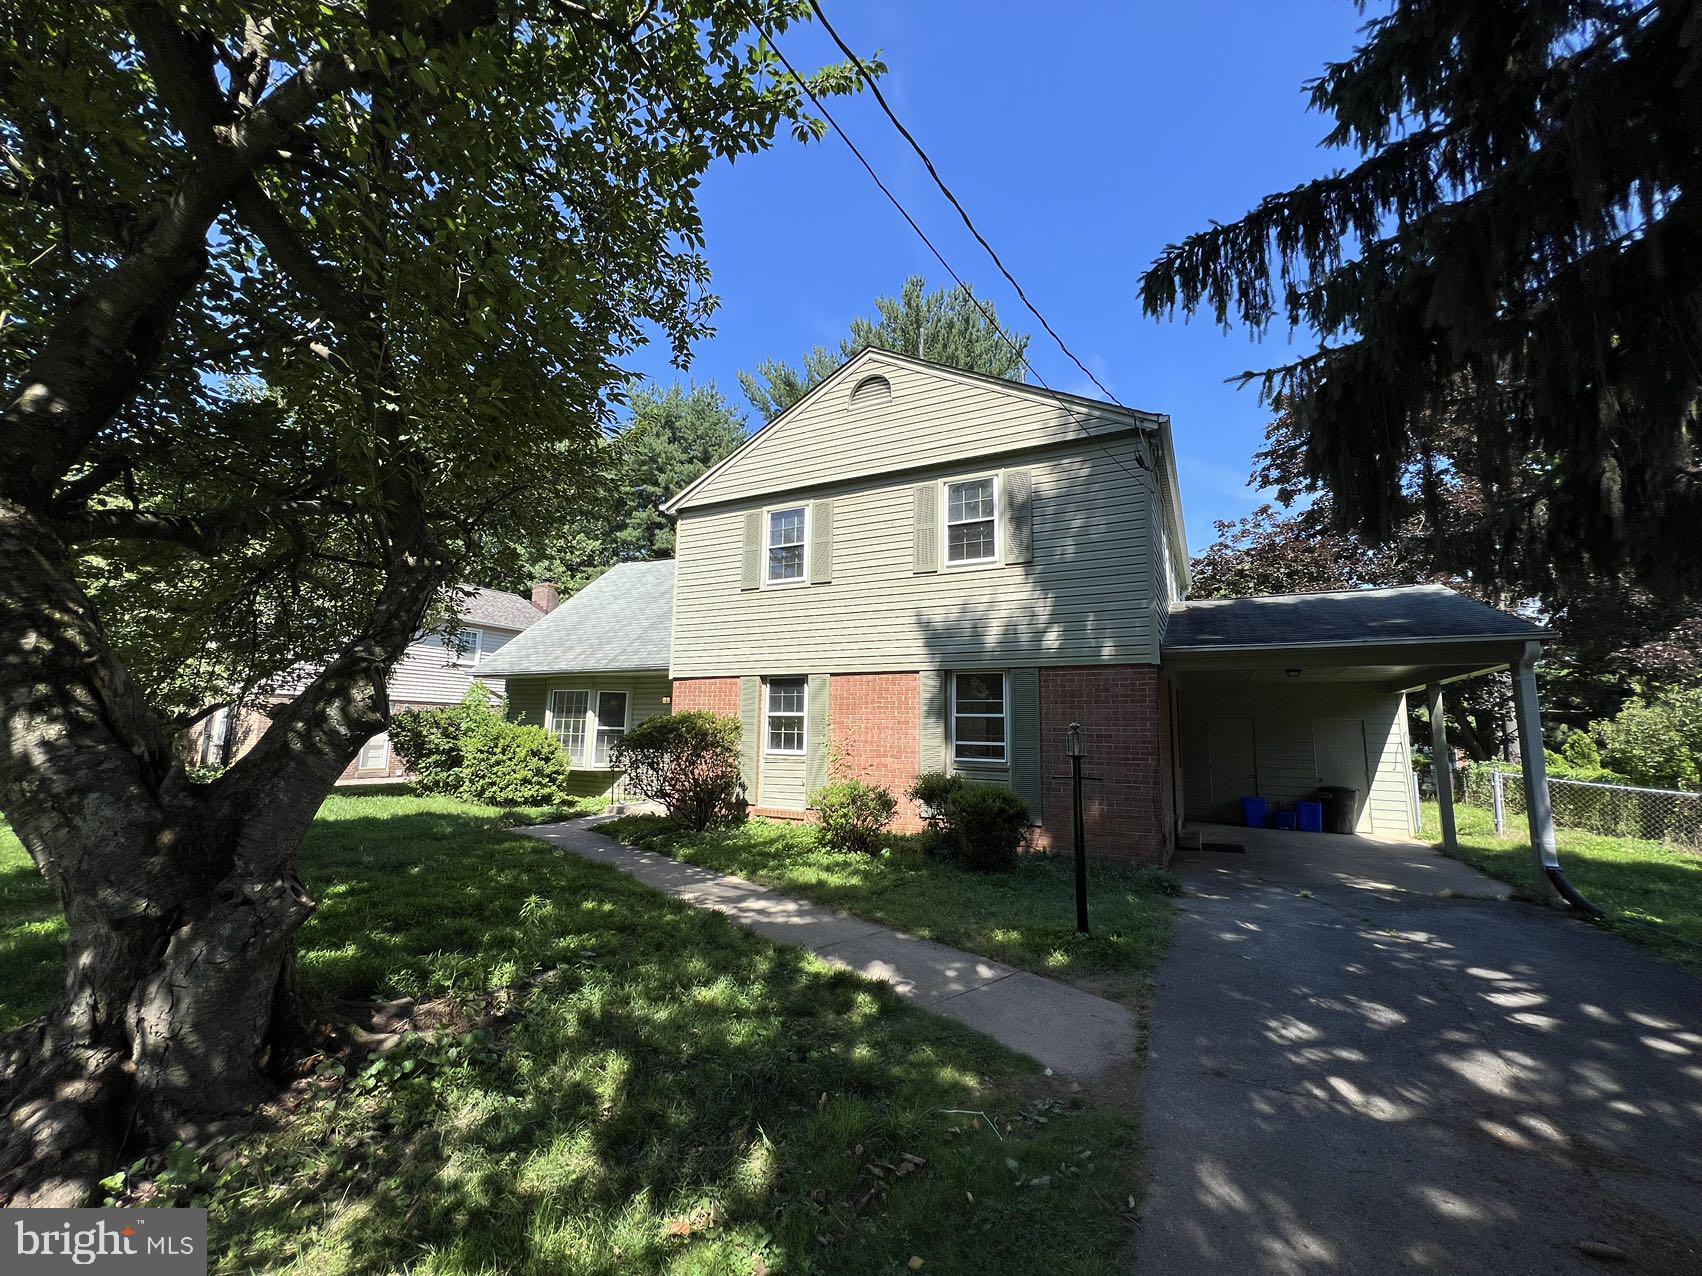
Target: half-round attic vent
[[871, 392]]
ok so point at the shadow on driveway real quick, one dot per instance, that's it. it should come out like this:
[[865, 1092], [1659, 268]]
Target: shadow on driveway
[[1368, 1078]]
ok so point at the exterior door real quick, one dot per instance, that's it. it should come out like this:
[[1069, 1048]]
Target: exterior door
[[1339, 745], [1234, 765]]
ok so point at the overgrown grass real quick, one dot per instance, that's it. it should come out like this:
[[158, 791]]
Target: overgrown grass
[[670, 1094], [1652, 891], [1026, 918]]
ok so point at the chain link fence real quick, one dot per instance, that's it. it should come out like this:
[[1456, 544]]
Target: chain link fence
[[1671, 816]]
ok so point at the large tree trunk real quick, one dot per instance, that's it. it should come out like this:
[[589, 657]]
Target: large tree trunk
[[181, 900]]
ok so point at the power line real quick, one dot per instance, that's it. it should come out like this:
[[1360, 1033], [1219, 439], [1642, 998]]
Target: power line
[[992, 321], [928, 163]]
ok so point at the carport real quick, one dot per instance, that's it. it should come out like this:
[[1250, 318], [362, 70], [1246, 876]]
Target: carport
[[1278, 694]]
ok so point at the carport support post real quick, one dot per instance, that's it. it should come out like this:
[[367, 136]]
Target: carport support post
[[1545, 852], [1442, 766]]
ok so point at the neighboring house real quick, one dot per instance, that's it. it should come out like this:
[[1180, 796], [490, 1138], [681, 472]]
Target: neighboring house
[[436, 670], [918, 568]]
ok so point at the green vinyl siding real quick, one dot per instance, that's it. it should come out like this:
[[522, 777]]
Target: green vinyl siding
[[649, 690], [1086, 597]]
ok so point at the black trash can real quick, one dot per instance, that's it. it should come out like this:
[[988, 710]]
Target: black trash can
[[1340, 803]]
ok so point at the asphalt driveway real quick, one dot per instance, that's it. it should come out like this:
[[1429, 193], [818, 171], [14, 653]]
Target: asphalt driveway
[[1354, 1067]]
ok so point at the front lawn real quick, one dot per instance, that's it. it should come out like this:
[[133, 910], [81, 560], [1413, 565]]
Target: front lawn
[[1025, 918], [660, 1092], [1652, 891]]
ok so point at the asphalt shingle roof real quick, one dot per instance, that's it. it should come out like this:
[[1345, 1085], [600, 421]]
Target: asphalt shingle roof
[[1410, 613], [498, 609], [622, 620]]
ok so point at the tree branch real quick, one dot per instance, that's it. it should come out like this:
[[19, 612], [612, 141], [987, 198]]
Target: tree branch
[[318, 282], [208, 533]]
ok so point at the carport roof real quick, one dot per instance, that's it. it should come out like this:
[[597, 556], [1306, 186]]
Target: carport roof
[[1371, 617], [622, 620]]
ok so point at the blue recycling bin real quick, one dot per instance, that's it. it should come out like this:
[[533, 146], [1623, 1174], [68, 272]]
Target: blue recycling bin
[[1310, 816], [1253, 812]]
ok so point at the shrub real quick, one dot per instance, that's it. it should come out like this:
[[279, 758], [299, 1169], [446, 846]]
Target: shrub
[[1580, 751], [688, 762], [851, 814], [1156, 881], [980, 826], [431, 741], [509, 764], [931, 791], [1658, 743], [471, 751], [987, 825]]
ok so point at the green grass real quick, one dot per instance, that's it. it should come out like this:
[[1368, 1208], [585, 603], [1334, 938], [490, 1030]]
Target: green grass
[[670, 1094], [32, 936], [1652, 891], [1025, 918]]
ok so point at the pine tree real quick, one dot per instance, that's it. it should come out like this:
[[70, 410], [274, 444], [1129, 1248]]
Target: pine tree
[[948, 325], [1519, 248]]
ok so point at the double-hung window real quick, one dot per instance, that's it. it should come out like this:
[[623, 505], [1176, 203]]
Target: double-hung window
[[972, 521], [612, 707], [464, 647], [978, 721], [375, 753], [786, 698], [568, 710], [786, 531]]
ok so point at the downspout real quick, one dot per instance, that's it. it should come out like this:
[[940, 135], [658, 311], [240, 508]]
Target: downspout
[[1539, 814]]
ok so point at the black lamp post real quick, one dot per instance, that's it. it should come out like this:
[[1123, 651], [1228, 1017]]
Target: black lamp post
[[1072, 746]]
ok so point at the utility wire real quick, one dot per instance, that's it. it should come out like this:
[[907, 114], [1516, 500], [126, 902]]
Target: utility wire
[[992, 321], [928, 163]]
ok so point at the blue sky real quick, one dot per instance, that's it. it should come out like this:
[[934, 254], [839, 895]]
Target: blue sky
[[1083, 138]]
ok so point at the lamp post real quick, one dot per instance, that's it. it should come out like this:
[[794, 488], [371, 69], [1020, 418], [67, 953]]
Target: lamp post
[[1072, 746]]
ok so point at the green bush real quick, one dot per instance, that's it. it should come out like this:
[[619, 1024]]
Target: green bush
[[688, 762], [1580, 751], [508, 764], [851, 814], [980, 826], [431, 741], [1156, 881], [472, 752], [1658, 743]]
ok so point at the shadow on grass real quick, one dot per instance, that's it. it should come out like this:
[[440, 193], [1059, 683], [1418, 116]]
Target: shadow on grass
[[675, 1094], [1025, 918]]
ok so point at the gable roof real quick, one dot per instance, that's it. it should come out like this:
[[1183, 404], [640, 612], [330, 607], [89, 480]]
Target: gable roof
[[773, 459], [622, 620], [1355, 617], [498, 609]]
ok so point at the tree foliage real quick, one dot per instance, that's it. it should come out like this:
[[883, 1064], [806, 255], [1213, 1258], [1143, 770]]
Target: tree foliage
[[308, 315], [673, 436], [1657, 742], [948, 325], [1516, 250]]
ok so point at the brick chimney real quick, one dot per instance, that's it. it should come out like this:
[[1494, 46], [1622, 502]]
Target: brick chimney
[[545, 596]]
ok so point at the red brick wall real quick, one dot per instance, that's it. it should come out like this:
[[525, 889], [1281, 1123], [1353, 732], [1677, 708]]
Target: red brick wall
[[1125, 743], [397, 770], [876, 725], [718, 695]]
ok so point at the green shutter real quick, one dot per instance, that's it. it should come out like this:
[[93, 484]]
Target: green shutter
[[931, 750], [926, 499], [1018, 498], [753, 551], [750, 727], [816, 735], [1025, 738], [821, 542]]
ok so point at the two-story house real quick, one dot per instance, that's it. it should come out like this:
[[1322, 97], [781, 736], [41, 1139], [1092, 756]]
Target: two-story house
[[917, 568], [437, 669]]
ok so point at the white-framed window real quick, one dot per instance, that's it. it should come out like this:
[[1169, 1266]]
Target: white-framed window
[[972, 521], [566, 719], [464, 648], [787, 533], [980, 726], [375, 753], [613, 708], [786, 700]]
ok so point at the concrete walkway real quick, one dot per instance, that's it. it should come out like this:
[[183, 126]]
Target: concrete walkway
[[1070, 1031], [1355, 1066]]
